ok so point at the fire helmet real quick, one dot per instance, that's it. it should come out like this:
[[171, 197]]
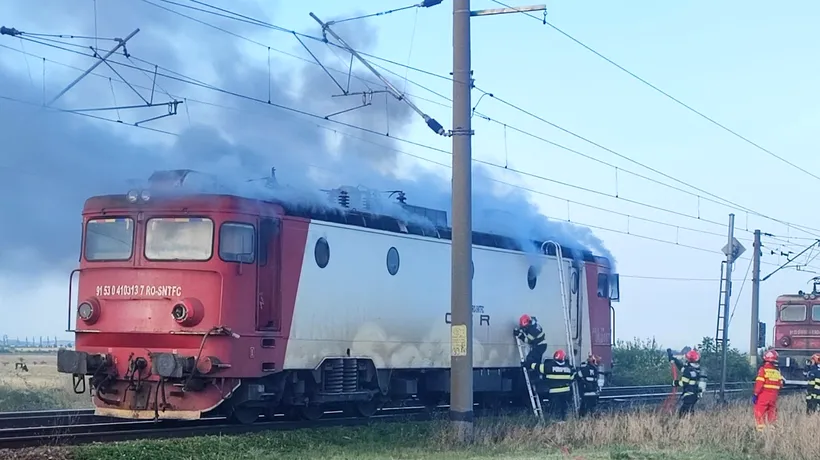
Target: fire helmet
[[770, 356], [525, 320], [559, 355], [692, 356]]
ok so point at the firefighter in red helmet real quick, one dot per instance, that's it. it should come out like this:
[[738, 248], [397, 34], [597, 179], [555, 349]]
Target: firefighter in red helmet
[[691, 380], [768, 383], [813, 384], [530, 332], [558, 374], [587, 376]]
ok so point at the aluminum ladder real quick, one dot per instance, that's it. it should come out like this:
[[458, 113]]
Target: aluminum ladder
[[535, 398], [559, 254]]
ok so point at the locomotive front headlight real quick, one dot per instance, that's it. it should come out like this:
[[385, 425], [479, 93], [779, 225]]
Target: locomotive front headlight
[[785, 341], [188, 312], [85, 310], [145, 195], [132, 196], [89, 311], [179, 312]]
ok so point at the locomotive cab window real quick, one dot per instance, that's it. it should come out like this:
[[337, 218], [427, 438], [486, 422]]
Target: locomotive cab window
[[603, 285], [179, 239], [793, 313], [237, 243], [815, 312], [109, 239]]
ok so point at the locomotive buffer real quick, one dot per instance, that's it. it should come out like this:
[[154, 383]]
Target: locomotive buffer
[[535, 398]]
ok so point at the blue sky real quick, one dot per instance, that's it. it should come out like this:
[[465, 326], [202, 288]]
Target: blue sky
[[747, 66]]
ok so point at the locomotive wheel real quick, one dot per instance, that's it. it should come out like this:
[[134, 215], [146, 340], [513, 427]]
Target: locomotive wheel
[[367, 409], [244, 415], [311, 413]]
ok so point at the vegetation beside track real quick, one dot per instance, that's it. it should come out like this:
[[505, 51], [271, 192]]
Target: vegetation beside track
[[710, 434], [40, 387]]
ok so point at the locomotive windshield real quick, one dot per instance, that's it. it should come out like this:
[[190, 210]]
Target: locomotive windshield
[[179, 239], [109, 239], [793, 313], [815, 312]]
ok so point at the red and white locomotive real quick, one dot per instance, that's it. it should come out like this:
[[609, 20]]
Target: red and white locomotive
[[198, 303]]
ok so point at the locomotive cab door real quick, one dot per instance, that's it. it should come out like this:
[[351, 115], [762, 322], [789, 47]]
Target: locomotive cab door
[[267, 305], [575, 307]]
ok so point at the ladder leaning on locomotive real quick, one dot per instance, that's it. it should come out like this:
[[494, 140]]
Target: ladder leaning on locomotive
[[214, 303]]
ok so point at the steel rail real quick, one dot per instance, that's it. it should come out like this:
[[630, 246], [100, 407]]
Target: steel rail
[[79, 426]]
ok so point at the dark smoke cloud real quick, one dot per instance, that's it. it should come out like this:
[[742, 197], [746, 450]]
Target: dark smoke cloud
[[52, 162]]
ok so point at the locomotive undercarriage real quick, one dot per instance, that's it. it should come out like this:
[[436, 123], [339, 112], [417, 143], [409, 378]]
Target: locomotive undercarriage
[[354, 385], [171, 387], [794, 364]]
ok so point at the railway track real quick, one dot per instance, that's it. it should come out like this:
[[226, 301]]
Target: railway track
[[63, 427]]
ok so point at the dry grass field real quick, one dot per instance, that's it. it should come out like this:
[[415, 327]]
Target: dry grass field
[[42, 387], [711, 434]]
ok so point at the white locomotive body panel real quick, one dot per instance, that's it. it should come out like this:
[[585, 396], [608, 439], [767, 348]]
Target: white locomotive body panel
[[355, 307]]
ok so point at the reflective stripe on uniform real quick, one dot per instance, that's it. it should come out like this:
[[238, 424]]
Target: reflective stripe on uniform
[[559, 390]]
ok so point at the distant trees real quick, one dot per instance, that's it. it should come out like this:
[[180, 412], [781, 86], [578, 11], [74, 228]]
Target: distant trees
[[644, 362]]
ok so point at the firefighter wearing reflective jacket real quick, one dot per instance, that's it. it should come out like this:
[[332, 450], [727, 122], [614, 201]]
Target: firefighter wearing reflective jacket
[[558, 375], [530, 332], [813, 384], [691, 380], [768, 383], [587, 376]]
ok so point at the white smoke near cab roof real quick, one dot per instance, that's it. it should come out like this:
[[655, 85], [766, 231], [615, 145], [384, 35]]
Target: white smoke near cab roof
[[511, 215]]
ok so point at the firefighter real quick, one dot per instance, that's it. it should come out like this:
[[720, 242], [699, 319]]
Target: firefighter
[[813, 385], [587, 376], [530, 332], [691, 380], [768, 383], [558, 374]]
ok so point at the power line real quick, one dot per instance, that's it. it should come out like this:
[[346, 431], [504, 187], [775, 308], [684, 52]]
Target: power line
[[591, 226], [666, 278], [189, 80], [669, 96], [723, 202], [186, 79], [737, 300]]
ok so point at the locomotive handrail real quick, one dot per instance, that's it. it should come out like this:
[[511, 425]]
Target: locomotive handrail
[[71, 280]]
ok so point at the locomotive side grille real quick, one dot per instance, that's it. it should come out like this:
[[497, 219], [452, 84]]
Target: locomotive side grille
[[350, 377], [341, 375], [334, 375]]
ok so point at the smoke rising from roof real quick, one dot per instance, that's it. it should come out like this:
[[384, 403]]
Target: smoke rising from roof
[[53, 161]]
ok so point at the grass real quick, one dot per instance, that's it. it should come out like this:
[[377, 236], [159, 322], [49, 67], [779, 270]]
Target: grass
[[712, 434], [41, 388]]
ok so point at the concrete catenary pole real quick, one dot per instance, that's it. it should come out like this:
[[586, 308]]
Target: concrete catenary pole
[[730, 258], [755, 300], [461, 287]]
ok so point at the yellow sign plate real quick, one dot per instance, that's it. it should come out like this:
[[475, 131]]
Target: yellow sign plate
[[458, 340]]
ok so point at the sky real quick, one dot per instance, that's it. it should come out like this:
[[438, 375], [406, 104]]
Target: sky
[[747, 70]]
